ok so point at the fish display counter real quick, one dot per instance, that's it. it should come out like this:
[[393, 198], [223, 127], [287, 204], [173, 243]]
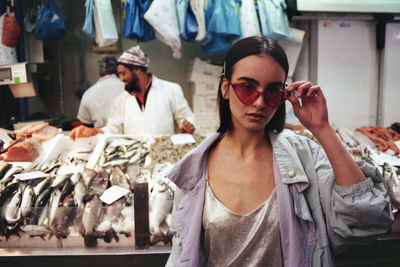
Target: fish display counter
[[80, 196], [77, 199]]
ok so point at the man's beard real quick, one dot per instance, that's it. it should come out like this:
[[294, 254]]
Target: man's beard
[[133, 87]]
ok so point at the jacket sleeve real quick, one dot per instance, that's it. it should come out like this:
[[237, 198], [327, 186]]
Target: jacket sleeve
[[84, 114], [180, 107], [116, 117], [354, 212]]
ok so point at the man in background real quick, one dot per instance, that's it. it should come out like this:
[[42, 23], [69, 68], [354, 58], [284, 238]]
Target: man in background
[[148, 105], [97, 100]]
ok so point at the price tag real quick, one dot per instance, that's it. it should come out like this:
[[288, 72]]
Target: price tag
[[30, 175], [113, 193], [181, 139]]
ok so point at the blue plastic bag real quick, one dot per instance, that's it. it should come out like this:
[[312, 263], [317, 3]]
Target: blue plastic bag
[[223, 26], [50, 23], [88, 25], [135, 26], [188, 26], [273, 19]]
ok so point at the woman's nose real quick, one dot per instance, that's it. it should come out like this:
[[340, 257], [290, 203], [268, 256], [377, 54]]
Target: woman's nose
[[260, 101]]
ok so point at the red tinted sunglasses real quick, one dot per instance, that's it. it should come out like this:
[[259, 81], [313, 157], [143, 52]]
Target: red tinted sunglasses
[[274, 95]]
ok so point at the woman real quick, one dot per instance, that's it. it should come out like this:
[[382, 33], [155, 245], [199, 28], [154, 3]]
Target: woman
[[255, 196]]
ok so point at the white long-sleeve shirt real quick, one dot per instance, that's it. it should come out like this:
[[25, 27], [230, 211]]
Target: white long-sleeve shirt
[[97, 100], [165, 104]]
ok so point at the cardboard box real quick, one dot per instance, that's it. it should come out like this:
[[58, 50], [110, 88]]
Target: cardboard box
[[206, 122], [205, 88], [198, 77], [206, 68], [205, 104]]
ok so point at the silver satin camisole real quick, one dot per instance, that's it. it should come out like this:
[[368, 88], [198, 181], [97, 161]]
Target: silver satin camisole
[[231, 239]]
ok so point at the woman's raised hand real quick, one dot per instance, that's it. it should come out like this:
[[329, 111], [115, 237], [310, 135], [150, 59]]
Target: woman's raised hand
[[311, 111]]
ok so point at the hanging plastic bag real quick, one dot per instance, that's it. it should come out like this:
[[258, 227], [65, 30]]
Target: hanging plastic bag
[[50, 23], [273, 19], [104, 22], [88, 25], [249, 23], [223, 26], [162, 16], [8, 55], [198, 7], [188, 27], [135, 26]]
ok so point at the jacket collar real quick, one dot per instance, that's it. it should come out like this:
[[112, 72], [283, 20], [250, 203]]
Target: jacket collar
[[190, 169]]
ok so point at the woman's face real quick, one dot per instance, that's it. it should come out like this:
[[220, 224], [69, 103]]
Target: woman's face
[[259, 72]]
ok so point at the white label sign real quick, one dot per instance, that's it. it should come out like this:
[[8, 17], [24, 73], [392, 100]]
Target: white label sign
[[113, 194], [181, 139]]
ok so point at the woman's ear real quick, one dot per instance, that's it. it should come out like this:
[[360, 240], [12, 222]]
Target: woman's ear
[[225, 88]]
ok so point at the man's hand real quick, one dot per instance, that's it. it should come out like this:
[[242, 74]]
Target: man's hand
[[186, 127]]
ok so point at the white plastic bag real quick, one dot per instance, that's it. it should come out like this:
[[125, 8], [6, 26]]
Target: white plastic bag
[[8, 55], [248, 19], [198, 7], [106, 29], [162, 16]]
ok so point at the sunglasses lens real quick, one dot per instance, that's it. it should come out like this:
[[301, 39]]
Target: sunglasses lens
[[273, 98], [246, 96]]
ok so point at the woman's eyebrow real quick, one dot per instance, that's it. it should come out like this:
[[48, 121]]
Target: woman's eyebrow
[[248, 79]]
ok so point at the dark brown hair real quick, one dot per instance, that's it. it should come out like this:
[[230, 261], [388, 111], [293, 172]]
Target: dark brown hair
[[249, 46]]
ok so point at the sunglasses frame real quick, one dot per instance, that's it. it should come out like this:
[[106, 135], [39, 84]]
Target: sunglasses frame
[[284, 95]]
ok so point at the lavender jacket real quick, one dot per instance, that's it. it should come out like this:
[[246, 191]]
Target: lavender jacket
[[317, 217]]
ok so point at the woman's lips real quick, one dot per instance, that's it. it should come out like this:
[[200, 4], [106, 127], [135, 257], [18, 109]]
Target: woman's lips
[[256, 116]]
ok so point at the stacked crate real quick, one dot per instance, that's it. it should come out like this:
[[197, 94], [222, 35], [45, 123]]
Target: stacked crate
[[205, 79]]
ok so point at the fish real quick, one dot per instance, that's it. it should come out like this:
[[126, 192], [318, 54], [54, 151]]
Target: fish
[[392, 182], [90, 219], [132, 172], [43, 215], [59, 180], [28, 198], [87, 176], [50, 166], [40, 208], [9, 176], [98, 184], [66, 189], [126, 222], [80, 191], [4, 167], [160, 204], [76, 177], [117, 162], [35, 230], [7, 193], [11, 213], [53, 205], [65, 217], [110, 218], [117, 177], [41, 186]]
